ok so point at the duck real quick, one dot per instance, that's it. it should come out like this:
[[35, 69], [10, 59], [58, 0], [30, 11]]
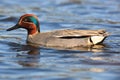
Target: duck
[[65, 38]]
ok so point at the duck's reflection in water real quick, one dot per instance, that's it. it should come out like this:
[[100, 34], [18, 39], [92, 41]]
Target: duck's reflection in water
[[94, 48], [31, 58], [29, 55]]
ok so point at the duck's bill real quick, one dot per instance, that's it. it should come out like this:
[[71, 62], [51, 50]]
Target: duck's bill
[[14, 27]]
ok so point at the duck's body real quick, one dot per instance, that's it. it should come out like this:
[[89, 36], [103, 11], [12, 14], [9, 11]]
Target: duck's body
[[67, 38], [59, 38]]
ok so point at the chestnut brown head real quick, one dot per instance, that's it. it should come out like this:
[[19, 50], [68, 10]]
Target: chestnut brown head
[[29, 22]]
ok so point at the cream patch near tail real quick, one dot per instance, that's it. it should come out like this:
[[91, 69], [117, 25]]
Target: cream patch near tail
[[97, 39]]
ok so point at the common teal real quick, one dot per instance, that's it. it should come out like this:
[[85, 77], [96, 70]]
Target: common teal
[[58, 38]]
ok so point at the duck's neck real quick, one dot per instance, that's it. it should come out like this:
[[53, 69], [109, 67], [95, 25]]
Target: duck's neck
[[32, 32], [32, 29], [31, 36]]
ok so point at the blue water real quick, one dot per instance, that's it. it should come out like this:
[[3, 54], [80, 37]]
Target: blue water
[[20, 61]]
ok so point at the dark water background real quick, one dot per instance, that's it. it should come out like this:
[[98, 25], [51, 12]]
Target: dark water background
[[19, 61]]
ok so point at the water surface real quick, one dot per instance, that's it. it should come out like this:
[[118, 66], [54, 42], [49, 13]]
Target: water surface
[[19, 60]]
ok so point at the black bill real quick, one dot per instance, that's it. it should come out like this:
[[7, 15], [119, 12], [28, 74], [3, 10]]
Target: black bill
[[14, 27]]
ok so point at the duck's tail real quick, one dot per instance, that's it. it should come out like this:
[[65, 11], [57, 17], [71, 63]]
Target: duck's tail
[[97, 39]]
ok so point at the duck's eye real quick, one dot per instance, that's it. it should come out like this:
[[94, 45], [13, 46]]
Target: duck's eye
[[27, 20]]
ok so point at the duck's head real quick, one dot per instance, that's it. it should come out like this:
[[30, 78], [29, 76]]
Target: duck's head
[[29, 22]]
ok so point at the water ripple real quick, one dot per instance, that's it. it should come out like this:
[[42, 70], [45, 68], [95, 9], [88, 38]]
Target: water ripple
[[98, 62]]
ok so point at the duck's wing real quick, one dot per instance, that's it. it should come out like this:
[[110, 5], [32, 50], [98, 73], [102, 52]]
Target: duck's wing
[[79, 33]]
